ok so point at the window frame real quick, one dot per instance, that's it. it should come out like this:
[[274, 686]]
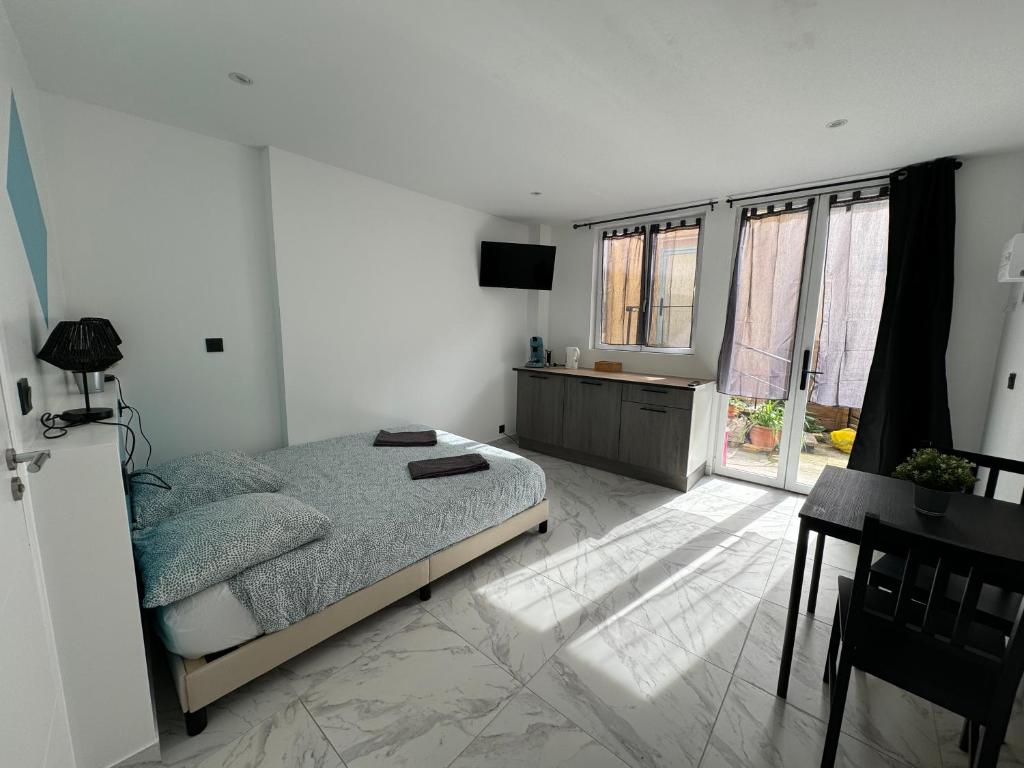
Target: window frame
[[597, 304]]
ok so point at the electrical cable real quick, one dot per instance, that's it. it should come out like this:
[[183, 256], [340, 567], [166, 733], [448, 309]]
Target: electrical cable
[[54, 427], [130, 450], [49, 422], [136, 412], [161, 483]]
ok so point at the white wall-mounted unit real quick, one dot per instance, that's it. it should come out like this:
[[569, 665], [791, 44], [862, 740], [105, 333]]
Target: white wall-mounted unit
[[1011, 268], [81, 524]]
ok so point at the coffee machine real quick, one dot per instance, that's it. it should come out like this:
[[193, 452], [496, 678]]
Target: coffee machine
[[536, 353]]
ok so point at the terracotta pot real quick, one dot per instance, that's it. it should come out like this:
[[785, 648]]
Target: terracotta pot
[[765, 438]]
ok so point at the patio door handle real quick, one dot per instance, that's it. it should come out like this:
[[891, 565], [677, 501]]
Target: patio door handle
[[805, 370]]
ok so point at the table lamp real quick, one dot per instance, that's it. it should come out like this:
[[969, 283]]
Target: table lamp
[[82, 346], [94, 380]]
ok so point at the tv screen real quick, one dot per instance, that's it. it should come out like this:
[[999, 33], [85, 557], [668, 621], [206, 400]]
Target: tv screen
[[514, 265]]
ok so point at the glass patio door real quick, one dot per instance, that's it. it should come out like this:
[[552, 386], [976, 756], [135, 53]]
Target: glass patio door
[[805, 315], [839, 328]]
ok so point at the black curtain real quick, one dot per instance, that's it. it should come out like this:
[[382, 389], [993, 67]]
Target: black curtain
[[906, 402]]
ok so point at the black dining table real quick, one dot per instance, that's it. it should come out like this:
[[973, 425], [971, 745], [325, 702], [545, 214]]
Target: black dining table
[[836, 507]]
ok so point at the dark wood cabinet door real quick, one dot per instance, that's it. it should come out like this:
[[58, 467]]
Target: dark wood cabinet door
[[592, 417], [654, 437], [539, 406]]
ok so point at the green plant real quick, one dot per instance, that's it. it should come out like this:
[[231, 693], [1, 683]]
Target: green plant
[[930, 468], [812, 425], [769, 414], [739, 404]]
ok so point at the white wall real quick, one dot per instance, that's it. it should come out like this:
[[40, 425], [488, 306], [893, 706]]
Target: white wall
[[166, 232], [990, 200], [990, 210], [573, 296], [34, 727], [382, 318], [1005, 419], [21, 318]]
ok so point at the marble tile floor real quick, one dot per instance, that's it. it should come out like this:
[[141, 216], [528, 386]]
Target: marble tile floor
[[644, 629]]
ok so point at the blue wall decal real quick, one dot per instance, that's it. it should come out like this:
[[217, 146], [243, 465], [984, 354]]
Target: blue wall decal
[[21, 189]]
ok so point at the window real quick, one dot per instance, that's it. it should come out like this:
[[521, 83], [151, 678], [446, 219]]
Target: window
[[647, 287]]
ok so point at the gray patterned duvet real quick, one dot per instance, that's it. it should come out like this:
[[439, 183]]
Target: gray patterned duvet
[[382, 519]]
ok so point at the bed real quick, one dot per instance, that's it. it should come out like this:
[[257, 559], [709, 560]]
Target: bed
[[389, 536]]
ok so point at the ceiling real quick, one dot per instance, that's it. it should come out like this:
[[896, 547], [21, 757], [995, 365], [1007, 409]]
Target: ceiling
[[602, 105]]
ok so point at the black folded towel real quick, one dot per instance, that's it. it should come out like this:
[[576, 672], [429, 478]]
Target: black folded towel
[[426, 437], [452, 465]]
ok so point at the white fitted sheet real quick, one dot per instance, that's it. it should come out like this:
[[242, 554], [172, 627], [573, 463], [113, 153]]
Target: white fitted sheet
[[208, 621]]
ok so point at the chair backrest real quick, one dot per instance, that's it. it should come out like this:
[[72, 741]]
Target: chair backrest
[[995, 465], [936, 617]]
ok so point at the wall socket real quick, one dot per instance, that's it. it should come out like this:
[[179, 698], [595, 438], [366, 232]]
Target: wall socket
[[501, 429]]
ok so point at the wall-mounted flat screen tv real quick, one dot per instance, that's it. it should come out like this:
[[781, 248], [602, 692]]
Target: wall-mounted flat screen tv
[[515, 265]]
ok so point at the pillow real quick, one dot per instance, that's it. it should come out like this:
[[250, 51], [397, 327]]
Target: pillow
[[197, 480], [193, 550]]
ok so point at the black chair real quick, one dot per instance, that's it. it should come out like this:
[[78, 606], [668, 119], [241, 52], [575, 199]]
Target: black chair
[[996, 607], [934, 648]]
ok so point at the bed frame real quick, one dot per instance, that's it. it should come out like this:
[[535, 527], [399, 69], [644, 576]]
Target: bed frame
[[202, 681]]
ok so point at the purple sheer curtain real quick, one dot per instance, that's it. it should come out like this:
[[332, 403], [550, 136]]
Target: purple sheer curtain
[[853, 290], [757, 350]]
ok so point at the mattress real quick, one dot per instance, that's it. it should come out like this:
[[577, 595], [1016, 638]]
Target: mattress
[[207, 622], [382, 522]]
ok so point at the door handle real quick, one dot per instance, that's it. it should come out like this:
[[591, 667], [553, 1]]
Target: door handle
[[805, 370], [34, 459]]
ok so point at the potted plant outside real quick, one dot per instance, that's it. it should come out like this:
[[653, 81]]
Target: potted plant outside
[[738, 427], [766, 425], [812, 431], [737, 407], [936, 476]]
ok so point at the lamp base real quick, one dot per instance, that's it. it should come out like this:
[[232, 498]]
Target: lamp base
[[85, 415]]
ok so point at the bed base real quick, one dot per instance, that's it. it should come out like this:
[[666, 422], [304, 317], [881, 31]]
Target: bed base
[[201, 682]]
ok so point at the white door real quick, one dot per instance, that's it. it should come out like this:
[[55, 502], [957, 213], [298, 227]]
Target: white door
[[837, 309], [33, 721]]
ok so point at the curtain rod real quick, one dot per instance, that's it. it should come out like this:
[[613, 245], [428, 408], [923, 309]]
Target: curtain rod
[[822, 186], [645, 214], [797, 190]]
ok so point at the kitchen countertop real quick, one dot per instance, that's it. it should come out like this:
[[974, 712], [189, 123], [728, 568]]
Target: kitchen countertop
[[673, 382]]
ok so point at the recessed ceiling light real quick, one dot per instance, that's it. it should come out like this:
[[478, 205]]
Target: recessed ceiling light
[[837, 123], [536, 194], [238, 77]]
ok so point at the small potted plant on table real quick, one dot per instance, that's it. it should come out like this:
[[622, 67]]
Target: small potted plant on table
[[936, 476], [766, 424]]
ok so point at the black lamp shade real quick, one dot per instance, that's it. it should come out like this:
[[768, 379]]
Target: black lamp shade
[[82, 345], [103, 324]]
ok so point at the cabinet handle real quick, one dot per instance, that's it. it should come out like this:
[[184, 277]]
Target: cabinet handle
[[655, 391], [535, 376], [654, 410], [592, 383]]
